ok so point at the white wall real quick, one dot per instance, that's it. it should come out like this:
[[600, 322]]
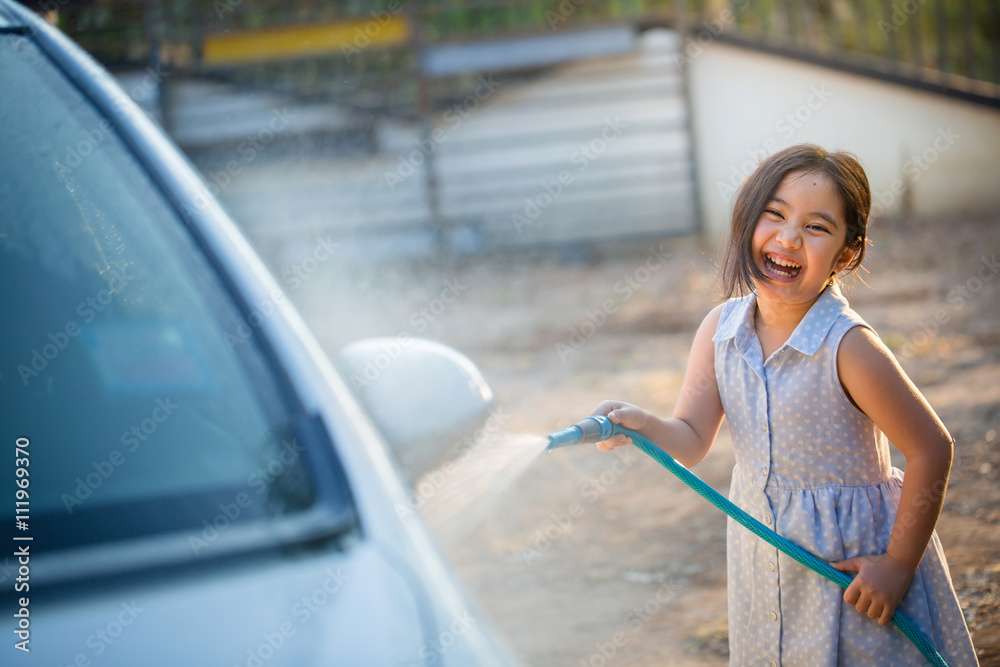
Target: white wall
[[747, 105]]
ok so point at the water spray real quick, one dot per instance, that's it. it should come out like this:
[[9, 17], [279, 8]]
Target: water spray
[[598, 428]]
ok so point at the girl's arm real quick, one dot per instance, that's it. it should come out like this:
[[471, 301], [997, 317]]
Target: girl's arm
[[689, 434], [878, 386]]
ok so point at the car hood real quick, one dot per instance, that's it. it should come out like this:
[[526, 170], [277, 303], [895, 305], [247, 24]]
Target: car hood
[[345, 608]]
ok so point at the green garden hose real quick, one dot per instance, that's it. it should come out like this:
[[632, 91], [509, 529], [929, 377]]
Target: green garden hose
[[595, 429]]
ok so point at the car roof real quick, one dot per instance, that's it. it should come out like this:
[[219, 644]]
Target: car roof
[[8, 20]]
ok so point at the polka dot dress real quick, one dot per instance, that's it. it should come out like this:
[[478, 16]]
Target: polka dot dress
[[816, 469]]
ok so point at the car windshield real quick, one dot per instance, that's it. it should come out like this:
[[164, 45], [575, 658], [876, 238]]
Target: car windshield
[[136, 387]]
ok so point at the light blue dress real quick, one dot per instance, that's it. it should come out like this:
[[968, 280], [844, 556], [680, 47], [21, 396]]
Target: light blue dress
[[816, 469]]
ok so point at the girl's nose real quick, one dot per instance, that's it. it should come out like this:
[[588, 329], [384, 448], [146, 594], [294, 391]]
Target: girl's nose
[[789, 237]]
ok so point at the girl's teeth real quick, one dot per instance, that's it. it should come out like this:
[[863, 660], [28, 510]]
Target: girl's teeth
[[781, 262], [783, 268]]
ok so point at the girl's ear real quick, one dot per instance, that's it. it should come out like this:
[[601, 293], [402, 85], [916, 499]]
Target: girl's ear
[[845, 258]]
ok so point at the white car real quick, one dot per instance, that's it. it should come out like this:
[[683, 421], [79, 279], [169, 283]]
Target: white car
[[186, 479]]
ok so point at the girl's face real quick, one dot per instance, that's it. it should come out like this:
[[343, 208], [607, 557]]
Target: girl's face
[[800, 237]]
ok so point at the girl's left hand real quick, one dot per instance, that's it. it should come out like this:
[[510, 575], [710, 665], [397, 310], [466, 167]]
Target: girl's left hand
[[879, 585]]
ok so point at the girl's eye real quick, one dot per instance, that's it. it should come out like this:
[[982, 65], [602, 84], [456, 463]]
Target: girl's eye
[[819, 228], [771, 211]]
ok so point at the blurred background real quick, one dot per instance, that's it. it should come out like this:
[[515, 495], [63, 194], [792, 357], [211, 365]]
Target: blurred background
[[544, 185]]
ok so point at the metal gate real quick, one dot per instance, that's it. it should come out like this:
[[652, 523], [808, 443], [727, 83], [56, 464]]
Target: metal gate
[[473, 124]]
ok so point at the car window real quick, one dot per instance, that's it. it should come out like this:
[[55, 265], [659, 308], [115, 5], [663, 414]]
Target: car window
[[145, 398]]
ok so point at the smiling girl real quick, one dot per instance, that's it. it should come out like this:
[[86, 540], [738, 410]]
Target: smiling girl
[[812, 395]]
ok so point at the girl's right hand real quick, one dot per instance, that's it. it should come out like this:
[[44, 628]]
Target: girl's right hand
[[623, 414]]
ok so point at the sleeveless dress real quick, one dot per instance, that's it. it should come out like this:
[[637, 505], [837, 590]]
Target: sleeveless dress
[[816, 469]]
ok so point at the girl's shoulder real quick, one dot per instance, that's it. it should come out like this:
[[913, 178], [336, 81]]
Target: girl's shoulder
[[844, 319], [729, 315], [709, 325]]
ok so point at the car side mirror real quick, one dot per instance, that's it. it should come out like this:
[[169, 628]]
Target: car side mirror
[[422, 395]]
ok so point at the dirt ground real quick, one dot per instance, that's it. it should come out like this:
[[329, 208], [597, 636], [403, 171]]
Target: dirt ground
[[593, 559]]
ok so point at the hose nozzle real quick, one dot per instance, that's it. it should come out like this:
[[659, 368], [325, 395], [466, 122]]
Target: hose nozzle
[[591, 429]]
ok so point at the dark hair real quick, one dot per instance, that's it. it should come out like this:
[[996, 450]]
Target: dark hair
[[739, 271]]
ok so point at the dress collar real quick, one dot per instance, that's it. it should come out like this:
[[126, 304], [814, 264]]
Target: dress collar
[[807, 336]]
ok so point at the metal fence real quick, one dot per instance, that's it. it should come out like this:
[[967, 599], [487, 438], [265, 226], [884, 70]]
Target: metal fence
[[948, 46], [923, 39], [494, 122]]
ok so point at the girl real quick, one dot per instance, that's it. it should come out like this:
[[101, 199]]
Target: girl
[[811, 393]]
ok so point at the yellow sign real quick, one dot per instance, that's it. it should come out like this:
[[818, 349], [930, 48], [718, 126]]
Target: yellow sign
[[348, 37]]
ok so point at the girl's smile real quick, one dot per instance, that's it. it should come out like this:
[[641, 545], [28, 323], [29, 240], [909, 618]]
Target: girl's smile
[[779, 267]]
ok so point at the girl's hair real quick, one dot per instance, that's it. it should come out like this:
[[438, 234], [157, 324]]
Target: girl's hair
[[740, 272]]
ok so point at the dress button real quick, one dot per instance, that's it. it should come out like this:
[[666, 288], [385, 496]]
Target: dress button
[[770, 566], [767, 519], [763, 471], [774, 617], [763, 426]]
